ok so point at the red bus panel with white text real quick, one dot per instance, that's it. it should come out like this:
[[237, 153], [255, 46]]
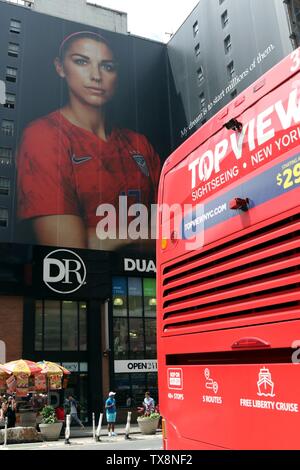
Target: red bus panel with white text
[[228, 274]]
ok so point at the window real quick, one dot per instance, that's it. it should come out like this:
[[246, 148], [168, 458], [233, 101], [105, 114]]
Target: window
[[13, 49], [4, 186], [60, 325], [195, 28], [120, 329], [11, 74], [7, 127], [133, 386], [10, 100], [134, 332], [150, 298], [122, 384], [224, 19], [233, 94], [202, 101], [131, 313], [136, 338], [52, 325], [3, 217], [230, 70], [82, 326], [15, 26], [119, 297], [200, 75], [138, 387], [135, 297], [150, 327], [197, 50], [5, 156], [69, 326], [227, 44], [38, 343]]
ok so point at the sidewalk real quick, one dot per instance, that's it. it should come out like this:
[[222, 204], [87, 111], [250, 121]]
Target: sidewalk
[[88, 430], [80, 437]]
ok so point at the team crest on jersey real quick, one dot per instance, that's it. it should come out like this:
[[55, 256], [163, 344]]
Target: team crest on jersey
[[141, 163]]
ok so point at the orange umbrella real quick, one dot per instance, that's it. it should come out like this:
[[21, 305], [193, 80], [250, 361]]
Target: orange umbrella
[[22, 366], [51, 368]]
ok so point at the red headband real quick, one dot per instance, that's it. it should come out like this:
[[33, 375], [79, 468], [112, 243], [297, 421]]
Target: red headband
[[79, 33]]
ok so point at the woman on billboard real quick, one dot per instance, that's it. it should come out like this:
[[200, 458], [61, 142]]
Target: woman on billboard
[[74, 160]]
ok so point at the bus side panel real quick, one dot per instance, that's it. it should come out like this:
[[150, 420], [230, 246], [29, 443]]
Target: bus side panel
[[244, 410], [236, 405], [229, 304]]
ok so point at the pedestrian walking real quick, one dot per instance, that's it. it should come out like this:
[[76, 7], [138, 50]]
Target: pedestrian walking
[[111, 413], [11, 412], [71, 407], [3, 411]]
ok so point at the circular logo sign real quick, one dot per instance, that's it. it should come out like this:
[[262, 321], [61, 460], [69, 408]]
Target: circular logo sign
[[64, 271]]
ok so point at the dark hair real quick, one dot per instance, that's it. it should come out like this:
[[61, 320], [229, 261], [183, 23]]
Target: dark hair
[[68, 41]]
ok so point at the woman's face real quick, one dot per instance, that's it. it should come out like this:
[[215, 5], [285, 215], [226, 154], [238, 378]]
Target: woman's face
[[90, 71]]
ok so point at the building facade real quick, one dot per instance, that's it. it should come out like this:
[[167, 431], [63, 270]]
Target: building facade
[[221, 48], [84, 11], [103, 329], [98, 322]]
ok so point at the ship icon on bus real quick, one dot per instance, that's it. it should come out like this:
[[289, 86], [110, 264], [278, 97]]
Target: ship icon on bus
[[265, 384]]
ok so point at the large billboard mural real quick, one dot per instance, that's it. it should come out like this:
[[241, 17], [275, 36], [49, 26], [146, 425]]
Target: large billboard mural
[[96, 114], [92, 134]]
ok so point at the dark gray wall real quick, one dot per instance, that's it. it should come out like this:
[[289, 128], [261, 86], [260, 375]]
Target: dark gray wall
[[254, 27], [8, 12]]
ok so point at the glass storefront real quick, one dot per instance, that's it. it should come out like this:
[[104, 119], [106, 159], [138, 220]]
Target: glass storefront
[[61, 334], [133, 387], [134, 333], [60, 325]]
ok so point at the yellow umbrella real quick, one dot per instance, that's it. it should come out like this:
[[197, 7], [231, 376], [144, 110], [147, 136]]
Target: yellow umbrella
[[51, 368], [22, 366]]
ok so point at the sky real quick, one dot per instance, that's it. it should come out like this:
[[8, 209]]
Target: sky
[[152, 18]]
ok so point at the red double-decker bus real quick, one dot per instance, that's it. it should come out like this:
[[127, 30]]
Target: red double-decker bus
[[228, 274]]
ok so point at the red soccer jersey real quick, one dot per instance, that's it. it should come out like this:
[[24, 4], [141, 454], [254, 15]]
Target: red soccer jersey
[[64, 169]]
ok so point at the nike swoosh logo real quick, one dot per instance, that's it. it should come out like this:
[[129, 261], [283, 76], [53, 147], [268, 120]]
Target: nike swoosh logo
[[79, 160]]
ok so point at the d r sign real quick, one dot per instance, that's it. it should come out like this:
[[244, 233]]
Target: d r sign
[[64, 271]]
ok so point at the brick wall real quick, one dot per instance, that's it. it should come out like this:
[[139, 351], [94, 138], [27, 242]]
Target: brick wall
[[11, 326]]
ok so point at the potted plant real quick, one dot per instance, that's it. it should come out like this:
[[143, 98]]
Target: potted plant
[[148, 422], [50, 428]]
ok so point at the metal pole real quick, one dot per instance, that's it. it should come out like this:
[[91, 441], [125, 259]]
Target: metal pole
[[94, 426], [98, 432], [127, 428], [5, 433], [67, 430]]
